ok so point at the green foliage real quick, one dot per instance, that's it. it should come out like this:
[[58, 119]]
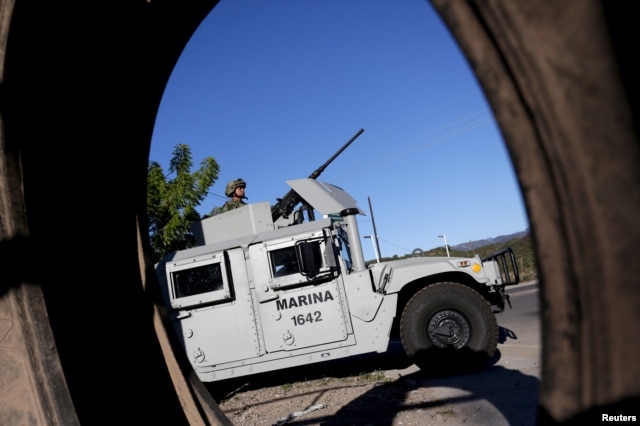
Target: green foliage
[[375, 376], [172, 200]]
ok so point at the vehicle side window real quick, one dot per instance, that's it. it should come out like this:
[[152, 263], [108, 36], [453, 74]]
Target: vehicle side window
[[284, 262], [197, 282], [202, 279]]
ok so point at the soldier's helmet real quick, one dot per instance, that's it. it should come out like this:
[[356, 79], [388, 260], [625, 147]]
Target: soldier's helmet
[[236, 183]]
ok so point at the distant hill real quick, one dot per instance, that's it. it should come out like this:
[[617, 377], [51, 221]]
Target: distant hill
[[519, 242], [489, 241]]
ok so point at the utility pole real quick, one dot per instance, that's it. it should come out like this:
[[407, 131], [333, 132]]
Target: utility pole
[[375, 232]]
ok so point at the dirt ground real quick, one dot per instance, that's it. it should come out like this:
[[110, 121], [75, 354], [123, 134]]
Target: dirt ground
[[384, 390], [337, 393]]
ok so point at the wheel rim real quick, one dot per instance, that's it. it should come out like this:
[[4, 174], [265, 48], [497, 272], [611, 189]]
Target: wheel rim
[[449, 329]]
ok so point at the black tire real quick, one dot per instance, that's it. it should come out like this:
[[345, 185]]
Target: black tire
[[449, 328]]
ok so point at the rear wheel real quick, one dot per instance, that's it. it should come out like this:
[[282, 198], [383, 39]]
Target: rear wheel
[[448, 328]]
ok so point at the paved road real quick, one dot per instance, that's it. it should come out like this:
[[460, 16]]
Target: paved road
[[505, 394]]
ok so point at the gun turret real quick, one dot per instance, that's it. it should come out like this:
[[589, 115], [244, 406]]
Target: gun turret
[[285, 205]]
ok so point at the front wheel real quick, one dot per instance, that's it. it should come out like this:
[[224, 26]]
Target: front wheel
[[447, 328]]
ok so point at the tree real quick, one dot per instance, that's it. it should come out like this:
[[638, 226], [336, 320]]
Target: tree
[[172, 200]]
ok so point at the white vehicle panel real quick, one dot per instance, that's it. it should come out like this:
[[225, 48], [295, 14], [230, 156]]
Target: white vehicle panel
[[304, 317]]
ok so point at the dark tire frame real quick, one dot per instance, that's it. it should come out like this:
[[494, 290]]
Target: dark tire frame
[[459, 311], [561, 78]]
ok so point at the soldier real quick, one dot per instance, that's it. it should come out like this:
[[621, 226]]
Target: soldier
[[235, 191]]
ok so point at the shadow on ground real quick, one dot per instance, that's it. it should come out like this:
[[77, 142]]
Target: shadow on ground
[[497, 393], [495, 396]]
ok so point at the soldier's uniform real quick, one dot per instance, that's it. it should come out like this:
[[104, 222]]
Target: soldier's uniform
[[230, 205]]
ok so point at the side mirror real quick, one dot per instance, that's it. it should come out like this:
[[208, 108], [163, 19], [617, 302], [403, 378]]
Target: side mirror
[[309, 258]]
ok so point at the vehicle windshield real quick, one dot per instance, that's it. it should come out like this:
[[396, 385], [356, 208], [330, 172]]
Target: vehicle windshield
[[345, 247]]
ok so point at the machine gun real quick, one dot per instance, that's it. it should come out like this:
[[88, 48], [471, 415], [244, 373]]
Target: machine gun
[[285, 205]]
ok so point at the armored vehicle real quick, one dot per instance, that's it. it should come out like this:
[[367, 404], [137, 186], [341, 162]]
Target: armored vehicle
[[273, 287]]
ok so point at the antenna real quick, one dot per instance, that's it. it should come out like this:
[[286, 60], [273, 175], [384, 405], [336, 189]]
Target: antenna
[[375, 232]]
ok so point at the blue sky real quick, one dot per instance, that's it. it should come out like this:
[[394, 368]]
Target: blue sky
[[272, 89]]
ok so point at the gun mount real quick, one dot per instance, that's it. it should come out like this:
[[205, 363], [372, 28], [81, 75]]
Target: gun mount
[[284, 206]]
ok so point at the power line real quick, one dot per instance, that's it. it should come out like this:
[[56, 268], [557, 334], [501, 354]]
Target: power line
[[395, 245], [424, 141]]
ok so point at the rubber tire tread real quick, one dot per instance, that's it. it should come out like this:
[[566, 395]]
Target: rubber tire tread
[[476, 354]]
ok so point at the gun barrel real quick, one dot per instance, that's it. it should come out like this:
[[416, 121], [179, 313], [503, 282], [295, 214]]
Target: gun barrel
[[320, 169], [285, 205]]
